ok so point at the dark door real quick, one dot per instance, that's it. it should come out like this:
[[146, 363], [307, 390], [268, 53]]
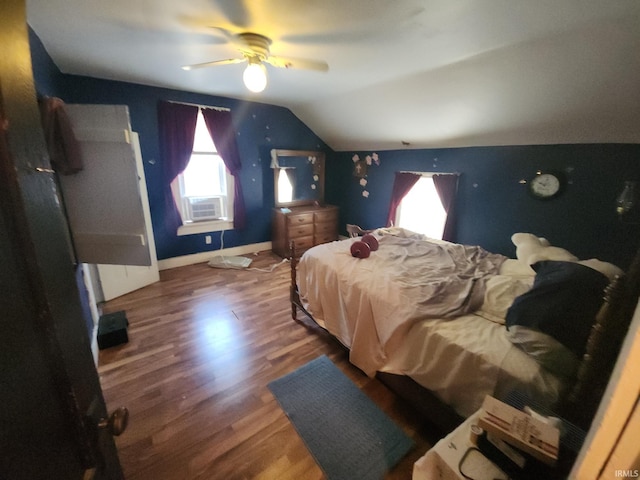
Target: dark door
[[51, 403]]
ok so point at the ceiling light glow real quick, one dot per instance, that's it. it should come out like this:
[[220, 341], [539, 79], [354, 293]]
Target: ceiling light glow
[[255, 77]]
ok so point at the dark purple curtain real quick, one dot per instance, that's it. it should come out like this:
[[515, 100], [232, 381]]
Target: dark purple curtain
[[223, 135], [447, 186], [177, 128], [401, 186]]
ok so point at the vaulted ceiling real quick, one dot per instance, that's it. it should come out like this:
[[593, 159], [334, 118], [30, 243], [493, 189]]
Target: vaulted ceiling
[[427, 73]]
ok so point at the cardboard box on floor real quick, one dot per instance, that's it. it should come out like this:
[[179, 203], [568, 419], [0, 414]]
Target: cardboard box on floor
[[538, 439]]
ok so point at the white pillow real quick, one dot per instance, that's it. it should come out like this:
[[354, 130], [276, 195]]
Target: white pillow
[[552, 253], [500, 292], [514, 267]]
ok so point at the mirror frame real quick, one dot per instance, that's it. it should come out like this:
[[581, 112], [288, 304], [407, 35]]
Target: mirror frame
[[319, 167]]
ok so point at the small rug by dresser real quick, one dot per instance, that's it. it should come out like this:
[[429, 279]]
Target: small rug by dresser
[[345, 431]]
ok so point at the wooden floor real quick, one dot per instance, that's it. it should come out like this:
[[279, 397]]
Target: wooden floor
[[203, 345]]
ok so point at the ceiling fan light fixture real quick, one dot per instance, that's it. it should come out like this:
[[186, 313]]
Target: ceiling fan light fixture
[[255, 77], [255, 51]]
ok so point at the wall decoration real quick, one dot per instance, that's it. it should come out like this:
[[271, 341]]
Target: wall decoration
[[316, 166], [316, 169], [361, 168]]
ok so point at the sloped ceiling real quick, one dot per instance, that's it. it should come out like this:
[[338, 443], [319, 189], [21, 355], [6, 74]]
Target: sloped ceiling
[[402, 73]]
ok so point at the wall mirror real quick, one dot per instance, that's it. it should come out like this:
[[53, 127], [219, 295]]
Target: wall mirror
[[298, 177]]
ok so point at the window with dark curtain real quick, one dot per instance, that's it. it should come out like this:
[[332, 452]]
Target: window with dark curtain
[[447, 187], [223, 134], [401, 185], [176, 127]]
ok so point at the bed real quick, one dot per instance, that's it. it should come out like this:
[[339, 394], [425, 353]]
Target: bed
[[431, 315]]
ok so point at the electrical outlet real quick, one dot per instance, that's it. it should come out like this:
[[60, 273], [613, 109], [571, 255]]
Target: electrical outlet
[[207, 239]]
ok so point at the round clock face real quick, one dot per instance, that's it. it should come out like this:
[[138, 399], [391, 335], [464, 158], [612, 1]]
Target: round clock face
[[545, 185]]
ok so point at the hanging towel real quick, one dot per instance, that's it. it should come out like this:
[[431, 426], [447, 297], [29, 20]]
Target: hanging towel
[[63, 147]]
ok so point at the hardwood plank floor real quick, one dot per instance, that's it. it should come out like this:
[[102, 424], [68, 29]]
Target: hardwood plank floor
[[203, 345]]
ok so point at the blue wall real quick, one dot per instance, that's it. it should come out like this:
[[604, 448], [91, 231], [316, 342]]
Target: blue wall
[[492, 203], [46, 75]]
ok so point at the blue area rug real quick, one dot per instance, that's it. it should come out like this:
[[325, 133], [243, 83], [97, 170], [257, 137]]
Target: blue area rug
[[347, 434]]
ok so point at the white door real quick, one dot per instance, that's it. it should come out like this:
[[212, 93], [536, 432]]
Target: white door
[[107, 203], [117, 280]]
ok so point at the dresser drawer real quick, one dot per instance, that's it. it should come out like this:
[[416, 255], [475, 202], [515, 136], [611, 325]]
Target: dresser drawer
[[320, 238], [302, 230], [329, 215], [303, 243], [306, 226], [326, 227], [300, 218]]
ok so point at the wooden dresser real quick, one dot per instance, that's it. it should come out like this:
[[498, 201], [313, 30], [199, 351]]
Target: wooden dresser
[[307, 225]]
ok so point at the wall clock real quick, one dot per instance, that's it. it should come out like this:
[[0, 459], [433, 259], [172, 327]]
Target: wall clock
[[546, 185]]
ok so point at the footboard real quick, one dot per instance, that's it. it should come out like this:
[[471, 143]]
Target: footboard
[[294, 296]]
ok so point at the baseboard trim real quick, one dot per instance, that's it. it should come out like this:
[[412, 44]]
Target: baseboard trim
[[202, 257]]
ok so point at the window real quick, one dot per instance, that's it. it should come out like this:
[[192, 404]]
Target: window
[[285, 187], [204, 190], [421, 209]]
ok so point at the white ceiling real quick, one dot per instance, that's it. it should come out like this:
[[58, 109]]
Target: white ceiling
[[433, 73]]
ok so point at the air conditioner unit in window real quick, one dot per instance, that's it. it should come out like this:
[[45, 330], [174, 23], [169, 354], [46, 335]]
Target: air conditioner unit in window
[[204, 208]]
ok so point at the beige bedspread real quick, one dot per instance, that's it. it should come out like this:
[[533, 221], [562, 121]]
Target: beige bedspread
[[408, 309], [369, 304]]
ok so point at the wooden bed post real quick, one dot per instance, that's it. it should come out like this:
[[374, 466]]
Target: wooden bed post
[[294, 296], [293, 289], [603, 346]]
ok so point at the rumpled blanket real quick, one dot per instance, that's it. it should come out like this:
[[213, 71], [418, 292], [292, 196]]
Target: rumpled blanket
[[369, 304]]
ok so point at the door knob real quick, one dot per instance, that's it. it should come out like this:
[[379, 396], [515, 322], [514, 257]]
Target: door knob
[[117, 422]]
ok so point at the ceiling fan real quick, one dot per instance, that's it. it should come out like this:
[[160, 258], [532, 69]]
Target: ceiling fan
[[255, 51]]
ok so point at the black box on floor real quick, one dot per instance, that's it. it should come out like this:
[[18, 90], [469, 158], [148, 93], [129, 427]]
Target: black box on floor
[[112, 329]]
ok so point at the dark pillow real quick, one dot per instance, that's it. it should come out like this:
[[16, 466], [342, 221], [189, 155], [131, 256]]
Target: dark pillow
[[562, 303]]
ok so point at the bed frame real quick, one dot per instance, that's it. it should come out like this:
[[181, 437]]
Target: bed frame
[[580, 404]]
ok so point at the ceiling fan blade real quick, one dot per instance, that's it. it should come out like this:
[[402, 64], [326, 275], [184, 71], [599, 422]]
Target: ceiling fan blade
[[228, 34], [215, 62], [236, 12], [298, 63]]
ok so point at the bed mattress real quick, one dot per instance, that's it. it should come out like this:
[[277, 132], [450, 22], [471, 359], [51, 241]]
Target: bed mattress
[[399, 311]]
